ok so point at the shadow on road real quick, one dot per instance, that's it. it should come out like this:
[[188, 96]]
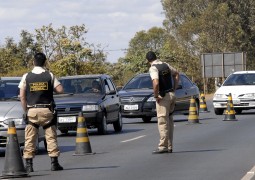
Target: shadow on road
[[199, 151], [95, 133]]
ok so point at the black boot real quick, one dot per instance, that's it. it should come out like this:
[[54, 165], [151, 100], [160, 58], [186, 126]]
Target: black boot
[[29, 165], [55, 166]]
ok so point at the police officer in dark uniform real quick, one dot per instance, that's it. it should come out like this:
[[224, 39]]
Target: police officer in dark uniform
[[165, 80], [36, 95]]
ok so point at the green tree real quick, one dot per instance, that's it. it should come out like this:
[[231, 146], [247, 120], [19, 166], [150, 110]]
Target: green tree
[[140, 44], [26, 48], [67, 48], [206, 26], [8, 62]]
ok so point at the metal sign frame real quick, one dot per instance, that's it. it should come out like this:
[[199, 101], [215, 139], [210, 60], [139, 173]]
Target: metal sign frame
[[221, 64]]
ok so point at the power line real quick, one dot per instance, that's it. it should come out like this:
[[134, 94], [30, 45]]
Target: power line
[[115, 49]]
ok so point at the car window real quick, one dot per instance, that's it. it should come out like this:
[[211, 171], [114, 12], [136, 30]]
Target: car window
[[240, 79], [9, 88], [186, 83], [141, 82], [82, 85]]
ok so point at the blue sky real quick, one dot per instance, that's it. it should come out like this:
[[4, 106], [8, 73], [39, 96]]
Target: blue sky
[[111, 23]]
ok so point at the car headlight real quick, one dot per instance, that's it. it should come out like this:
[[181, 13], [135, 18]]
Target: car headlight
[[151, 99], [249, 95], [17, 121], [90, 108]]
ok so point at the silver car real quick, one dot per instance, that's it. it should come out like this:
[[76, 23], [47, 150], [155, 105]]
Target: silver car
[[11, 110]]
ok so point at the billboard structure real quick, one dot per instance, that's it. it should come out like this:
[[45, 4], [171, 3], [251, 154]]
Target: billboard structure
[[221, 64]]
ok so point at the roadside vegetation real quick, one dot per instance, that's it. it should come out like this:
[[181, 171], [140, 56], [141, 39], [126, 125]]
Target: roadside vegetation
[[190, 28]]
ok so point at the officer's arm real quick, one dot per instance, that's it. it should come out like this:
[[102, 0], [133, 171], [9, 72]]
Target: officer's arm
[[176, 77], [23, 100], [155, 83], [59, 89]]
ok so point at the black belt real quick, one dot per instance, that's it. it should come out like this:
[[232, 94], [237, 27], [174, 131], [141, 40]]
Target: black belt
[[40, 106]]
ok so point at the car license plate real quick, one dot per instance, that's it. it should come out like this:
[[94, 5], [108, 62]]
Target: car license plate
[[69, 119], [131, 107], [236, 101]]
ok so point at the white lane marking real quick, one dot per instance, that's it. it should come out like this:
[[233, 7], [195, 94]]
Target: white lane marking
[[249, 175], [133, 138]]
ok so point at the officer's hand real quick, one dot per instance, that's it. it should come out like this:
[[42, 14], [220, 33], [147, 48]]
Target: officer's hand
[[25, 118], [158, 99]]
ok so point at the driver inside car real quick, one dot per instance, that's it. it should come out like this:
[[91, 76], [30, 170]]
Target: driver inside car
[[95, 87]]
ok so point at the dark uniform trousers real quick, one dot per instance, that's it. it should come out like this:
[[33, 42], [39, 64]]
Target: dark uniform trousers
[[165, 122], [41, 117]]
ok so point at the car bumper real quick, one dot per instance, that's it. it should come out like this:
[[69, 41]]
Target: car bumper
[[237, 104], [146, 109], [20, 131], [91, 119]]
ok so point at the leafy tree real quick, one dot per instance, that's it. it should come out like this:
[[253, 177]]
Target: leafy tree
[[26, 48], [119, 73], [8, 62], [67, 48], [143, 42], [205, 26]]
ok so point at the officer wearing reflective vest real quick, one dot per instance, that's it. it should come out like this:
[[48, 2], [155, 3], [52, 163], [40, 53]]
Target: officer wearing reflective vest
[[165, 80], [36, 95]]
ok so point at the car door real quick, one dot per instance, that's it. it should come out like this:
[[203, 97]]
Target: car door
[[183, 94], [112, 100]]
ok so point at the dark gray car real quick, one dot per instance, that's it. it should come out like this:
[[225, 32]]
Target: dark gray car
[[137, 100], [93, 95]]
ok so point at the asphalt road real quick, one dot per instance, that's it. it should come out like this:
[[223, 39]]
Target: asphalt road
[[212, 149]]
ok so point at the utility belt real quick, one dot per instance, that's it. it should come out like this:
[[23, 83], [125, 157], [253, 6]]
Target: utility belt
[[41, 106], [51, 108], [163, 93]]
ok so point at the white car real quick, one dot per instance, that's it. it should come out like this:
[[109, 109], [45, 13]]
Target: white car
[[241, 85]]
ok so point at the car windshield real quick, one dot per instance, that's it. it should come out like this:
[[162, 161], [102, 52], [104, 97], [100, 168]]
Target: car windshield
[[82, 85], [140, 82], [240, 79], [8, 89]]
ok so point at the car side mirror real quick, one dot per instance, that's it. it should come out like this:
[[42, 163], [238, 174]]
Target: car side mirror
[[111, 92], [179, 86], [219, 84], [119, 88]]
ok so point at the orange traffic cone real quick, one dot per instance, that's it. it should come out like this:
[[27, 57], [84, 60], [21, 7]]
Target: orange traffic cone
[[230, 112], [82, 139], [193, 114], [203, 107], [14, 166]]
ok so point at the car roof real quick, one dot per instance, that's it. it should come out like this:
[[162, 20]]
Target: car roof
[[10, 78], [244, 72], [86, 76], [147, 74]]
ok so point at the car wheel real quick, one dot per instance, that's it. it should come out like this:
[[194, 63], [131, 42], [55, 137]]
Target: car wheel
[[218, 111], [102, 128], [64, 131], [146, 119], [117, 125], [238, 111]]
